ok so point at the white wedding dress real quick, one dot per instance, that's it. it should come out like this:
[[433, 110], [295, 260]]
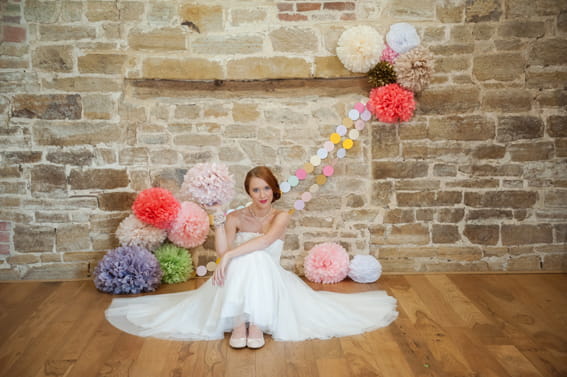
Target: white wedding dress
[[257, 290]]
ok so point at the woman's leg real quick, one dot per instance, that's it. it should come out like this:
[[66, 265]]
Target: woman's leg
[[255, 337], [238, 337]]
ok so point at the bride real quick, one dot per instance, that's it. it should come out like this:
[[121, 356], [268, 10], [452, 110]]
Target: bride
[[249, 293]]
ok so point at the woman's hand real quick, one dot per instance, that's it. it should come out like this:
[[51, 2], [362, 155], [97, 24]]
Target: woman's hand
[[220, 272]]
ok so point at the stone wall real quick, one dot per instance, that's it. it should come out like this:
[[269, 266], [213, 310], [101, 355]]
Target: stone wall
[[101, 99]]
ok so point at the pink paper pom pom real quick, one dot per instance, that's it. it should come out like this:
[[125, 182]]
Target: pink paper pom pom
[[156, 206], [208, 184], [391, 103], [133, 232], [326, 263], [191, 227], [389, 55]]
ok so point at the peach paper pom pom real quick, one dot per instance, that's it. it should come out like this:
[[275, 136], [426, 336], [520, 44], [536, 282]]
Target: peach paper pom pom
[[326, 263], [191, 227]]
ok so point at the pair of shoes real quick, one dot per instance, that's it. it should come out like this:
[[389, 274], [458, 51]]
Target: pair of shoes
[[237, 342], [255, 342]]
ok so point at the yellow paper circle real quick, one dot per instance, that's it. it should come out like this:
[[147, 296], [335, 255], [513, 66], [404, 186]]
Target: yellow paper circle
[[320, 179], [335, 138], [347, 122], [347, 144], [308, 167]]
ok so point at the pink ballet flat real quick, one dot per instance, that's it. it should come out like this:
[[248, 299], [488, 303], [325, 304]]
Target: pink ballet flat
[[237, 342], [255, 342]]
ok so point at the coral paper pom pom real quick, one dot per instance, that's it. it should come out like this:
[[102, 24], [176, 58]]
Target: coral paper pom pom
[[391, 103], [326, 263], [175, 262], [191, 227], [127, 269], [133, 232], [208, 184], [156, 206], [359, 48], [364, 269]]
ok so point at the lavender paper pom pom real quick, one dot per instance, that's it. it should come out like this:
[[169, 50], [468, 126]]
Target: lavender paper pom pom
[[133, 232], [127, 270], [208, 184], [364, 269]]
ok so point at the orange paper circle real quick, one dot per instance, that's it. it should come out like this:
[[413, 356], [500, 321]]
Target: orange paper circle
[[320, 179]]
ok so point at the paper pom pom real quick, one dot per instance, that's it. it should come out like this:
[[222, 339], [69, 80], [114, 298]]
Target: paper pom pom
[[414, 69], [359, 48], [127, 269], [133, 232], [156, 206], [191, 226], [208, 184], [391, 103], [382, 74], [326, 263], [402, 37], [389, 55], [364, 269], [175, 262]]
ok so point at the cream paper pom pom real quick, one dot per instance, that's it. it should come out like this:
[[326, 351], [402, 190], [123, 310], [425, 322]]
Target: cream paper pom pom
[[414, 69], [134, 232], [364, 269], [402, 37], [359, 48]]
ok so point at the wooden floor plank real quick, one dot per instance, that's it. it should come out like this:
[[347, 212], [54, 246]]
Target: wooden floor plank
[[514, 361]]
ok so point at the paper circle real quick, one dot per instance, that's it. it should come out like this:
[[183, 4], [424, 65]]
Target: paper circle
[[315, 160], [353, 114], [314, 188], [301, 174], [293, 181], [347, 144], [359, 124], [320, 179], [306, 196], [211, 266], [366, 115], [308, 167], [359, 106], [341, 153], [329, 146], [322, 153], [328, 171], [341, 130], [347, 122], [299, 205], [335, 138], [201, 270], [353, 134], [285, 186]]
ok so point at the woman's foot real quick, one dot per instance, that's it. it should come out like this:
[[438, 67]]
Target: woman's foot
[[238, 337], [255, 337]]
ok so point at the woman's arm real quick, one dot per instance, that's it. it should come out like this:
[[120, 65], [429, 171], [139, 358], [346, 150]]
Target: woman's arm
[[225, 233]]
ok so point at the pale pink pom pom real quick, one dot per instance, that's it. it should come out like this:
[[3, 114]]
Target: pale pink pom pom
[[133, 232], [326, 263], [208, 184], [191, 227], [389, 55]]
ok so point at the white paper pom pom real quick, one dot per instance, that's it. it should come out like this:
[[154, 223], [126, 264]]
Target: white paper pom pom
[[402, 37], [364, 269], [359, 48]]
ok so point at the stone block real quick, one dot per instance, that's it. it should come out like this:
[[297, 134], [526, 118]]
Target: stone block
[[58, 271], [385, 142], [77, 134], [554, 262], [522, 8], [524, 263], [501, 199], [22, 157], [482, 234], [512, 128], [278, 67], [377, 234], [557, 126], [242, 112], [208, 18], [239, 131], [42, 12], [72, 237], [244, 16], [521, 29], [102, 63], [51, 217], [531, 151], [330, 66], [116, 200], [197, 140], [66, 32], [500, 67], [450, 13], [382, 193], [444, 170], [47, 106], [169, 39], [412, 131], [548, 52], [461, 128], [162, 12], [415, 199], [23, 259], [294, 40], [442, 233], [102, 11], [98, 179], [191, 111], [98, 106], [562, 22], [181, 69], [166, 157], [406, 9], [398, 215], [80, 157], [448, 64], [83, 84], [240, 44], [48, 178], [33, 238], [53, 58], [450, 215], [483, 10], [553, 98], [133, 156], [561, 147], [507, 101], [413, 234], [131, 11], [454, 100], [555, 198], [407, 169]]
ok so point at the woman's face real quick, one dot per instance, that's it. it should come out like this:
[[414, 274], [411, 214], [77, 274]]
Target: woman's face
[[260, 192]]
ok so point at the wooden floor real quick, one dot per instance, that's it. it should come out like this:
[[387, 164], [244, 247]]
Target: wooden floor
[[449, 325]]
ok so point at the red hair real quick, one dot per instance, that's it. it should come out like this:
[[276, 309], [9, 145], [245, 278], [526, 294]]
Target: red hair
[[266, 174]]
